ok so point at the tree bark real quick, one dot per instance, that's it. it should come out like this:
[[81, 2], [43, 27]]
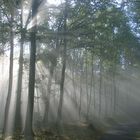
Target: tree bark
[[18, 121], [59, 113], [55, 55], [91, 89], [87, 93], [28, 130], [47, 104], [81, 89], [100, 88], [10, 78]]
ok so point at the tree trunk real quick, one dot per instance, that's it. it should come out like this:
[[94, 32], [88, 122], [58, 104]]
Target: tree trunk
[[52, 68], [81, 90], [47, 104], [10, 79], [59, 113], [91, 88], [87, 85], [18, 121], [28, 131], [100, 88], [106, 99], [115, 91]]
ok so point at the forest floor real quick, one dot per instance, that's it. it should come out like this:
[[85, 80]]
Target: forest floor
[[85, 131], [81, 131], [68, 132]]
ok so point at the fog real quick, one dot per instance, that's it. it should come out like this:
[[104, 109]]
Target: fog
[[120, 104]]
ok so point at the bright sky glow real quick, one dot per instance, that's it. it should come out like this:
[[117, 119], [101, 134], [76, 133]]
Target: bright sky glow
[[55, 2], [119, 1], [51, 2]]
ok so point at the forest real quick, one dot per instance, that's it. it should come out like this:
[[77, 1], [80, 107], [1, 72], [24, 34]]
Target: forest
[[70, 69]]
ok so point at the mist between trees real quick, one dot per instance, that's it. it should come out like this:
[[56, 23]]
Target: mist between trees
[[71, 64]]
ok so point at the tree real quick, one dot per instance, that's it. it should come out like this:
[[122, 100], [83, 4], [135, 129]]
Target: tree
[[59, 114], [11, 20], [28, 131], [18, 121]]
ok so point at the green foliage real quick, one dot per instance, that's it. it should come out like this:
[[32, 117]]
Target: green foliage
[[97, 31]]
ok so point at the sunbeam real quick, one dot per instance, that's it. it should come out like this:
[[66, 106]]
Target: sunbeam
[[70, 70]]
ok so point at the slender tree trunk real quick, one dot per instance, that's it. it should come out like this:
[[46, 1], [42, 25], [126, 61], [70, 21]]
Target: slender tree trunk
[[81, 90], [28, 130], [18, 121], [106, 98], [10, 78], [52, 69], [73, 77], [59, 113], [91, 88], [115, 91], [47, 104], [74, 82], [94, 90], [87, 85], [100, 88], [80, 103]]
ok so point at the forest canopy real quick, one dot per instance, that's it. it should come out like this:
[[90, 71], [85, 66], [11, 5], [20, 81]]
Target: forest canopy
[[70, 69]]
